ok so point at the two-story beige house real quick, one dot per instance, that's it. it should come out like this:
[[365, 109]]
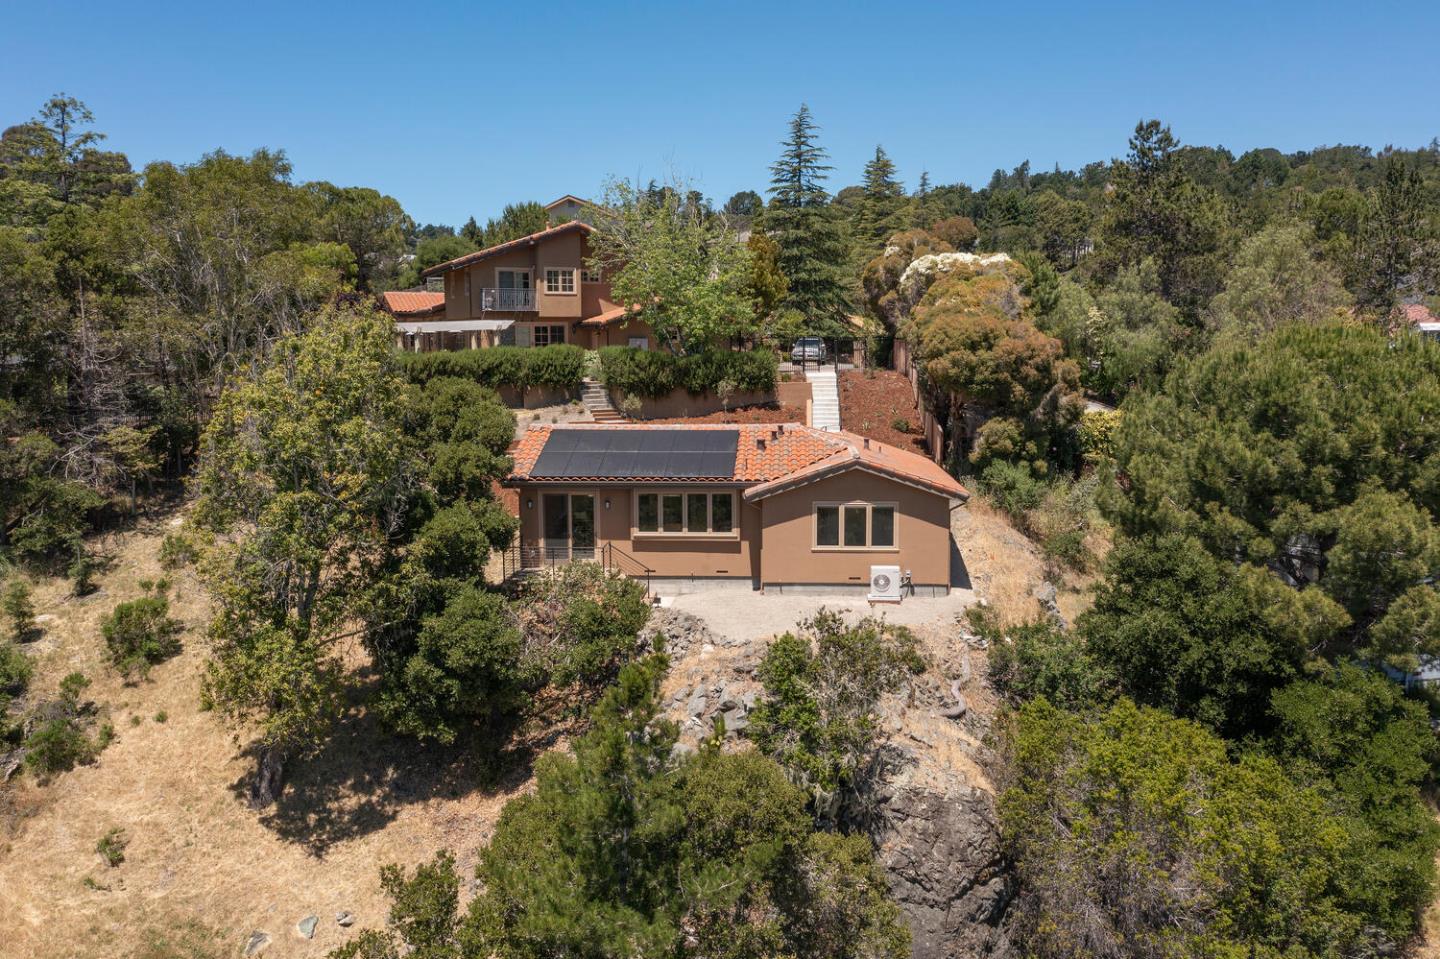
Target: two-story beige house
[[534, 291]]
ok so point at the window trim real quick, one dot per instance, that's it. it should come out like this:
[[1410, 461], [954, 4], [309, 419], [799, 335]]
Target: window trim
[[839, 507], [545, 281], [685, 533], [588, 275], [548, 328]]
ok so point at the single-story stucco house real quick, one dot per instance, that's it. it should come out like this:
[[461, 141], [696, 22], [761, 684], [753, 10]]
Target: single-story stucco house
[[772, 507]]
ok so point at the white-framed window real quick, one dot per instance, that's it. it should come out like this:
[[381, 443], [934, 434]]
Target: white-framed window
[[639, 343], [547, 335], [685, 513], [855, 526], [559, 279], [590, 276]]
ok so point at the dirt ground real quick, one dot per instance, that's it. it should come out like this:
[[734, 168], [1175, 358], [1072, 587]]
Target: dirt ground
[[874, 402], [745, 414]]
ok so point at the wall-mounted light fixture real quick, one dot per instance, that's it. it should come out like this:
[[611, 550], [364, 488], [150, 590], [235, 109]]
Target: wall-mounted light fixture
[[607, 502], [529, 504]]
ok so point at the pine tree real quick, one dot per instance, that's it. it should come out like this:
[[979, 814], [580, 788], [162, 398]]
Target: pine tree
[[879, 212], [813, 250], [921, 216], [1392, 234]]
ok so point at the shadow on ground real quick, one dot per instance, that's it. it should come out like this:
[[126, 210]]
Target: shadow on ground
[[959, 573], [364, 775]]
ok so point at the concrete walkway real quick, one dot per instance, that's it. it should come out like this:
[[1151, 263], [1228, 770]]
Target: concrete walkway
[[748, 616], [825, 398]]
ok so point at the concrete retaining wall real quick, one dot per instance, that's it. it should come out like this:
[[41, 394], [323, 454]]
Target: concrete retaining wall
[[682, 403]]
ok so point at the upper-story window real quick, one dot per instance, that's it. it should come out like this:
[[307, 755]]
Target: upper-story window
[[559, 280], [590, 276]]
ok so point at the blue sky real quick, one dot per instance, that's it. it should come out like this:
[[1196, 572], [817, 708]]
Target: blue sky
[[456, 108]]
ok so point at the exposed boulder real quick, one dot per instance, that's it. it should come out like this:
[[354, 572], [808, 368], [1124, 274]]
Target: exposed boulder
[[939, 843]]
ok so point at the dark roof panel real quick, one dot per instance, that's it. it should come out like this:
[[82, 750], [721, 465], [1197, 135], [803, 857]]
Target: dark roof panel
[[621, 454]]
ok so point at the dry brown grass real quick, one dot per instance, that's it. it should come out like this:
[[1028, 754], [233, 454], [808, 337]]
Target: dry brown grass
[[1005, 567], [200, 862]]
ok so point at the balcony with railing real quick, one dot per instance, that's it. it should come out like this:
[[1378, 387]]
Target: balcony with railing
[[509, 300]]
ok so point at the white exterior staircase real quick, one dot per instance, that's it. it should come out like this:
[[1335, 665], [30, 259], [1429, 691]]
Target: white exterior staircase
[[824, 398], [596, 400]]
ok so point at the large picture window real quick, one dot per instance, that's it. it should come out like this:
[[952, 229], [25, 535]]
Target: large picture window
[[685, 513], [559, 280], [855, 526]]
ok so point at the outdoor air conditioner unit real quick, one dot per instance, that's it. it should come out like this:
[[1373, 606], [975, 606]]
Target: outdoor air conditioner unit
[[884, 584]]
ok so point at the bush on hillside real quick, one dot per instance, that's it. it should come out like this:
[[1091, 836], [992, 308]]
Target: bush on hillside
[[560, 367], [653, 374], [141, 633]]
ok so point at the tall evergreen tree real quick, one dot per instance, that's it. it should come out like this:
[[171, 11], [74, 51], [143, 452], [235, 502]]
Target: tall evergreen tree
[[921, 215], [879, 211], [813, 250], [1392, 234]]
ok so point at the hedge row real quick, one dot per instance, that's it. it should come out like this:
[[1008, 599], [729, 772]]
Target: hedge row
[[560, 366], [651, 374]]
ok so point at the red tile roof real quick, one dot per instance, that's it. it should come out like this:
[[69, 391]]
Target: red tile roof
[[792, 455], [613, 315], [523, 241], [1417, 313], [412, 302]]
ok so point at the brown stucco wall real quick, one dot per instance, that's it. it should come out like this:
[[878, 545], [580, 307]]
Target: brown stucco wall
[[774, 545], [733, 557], [922, 524]]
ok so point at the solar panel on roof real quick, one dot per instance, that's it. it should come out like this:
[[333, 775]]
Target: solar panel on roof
[[622, 453]]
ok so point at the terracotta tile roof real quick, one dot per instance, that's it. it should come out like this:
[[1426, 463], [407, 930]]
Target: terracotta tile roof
[[1417, 313], [613, 315], [412, 302], [792, 455], [523, 241]]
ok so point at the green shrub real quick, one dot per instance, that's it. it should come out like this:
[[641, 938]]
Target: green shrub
[[176, 550], [15, 669], [1038, 659], [1013, 488], [652, 373], [18, 609], [82, 572], [58, 740], [581, 624], [818, 716], [140, 633], [560, 367], [111, 846]]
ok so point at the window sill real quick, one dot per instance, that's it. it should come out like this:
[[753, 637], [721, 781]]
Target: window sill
[[854, 549], [636, 534]]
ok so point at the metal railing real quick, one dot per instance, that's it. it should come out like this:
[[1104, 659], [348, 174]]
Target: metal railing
[[528, 557], [492, 298]]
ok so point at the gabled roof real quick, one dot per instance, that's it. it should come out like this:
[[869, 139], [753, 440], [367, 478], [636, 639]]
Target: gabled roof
[[568, 198], [412, 302], [769, 458], [521, 243]]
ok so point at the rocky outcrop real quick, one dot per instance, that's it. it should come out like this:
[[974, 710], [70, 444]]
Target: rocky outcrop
[[933, 816], [940, 846]]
